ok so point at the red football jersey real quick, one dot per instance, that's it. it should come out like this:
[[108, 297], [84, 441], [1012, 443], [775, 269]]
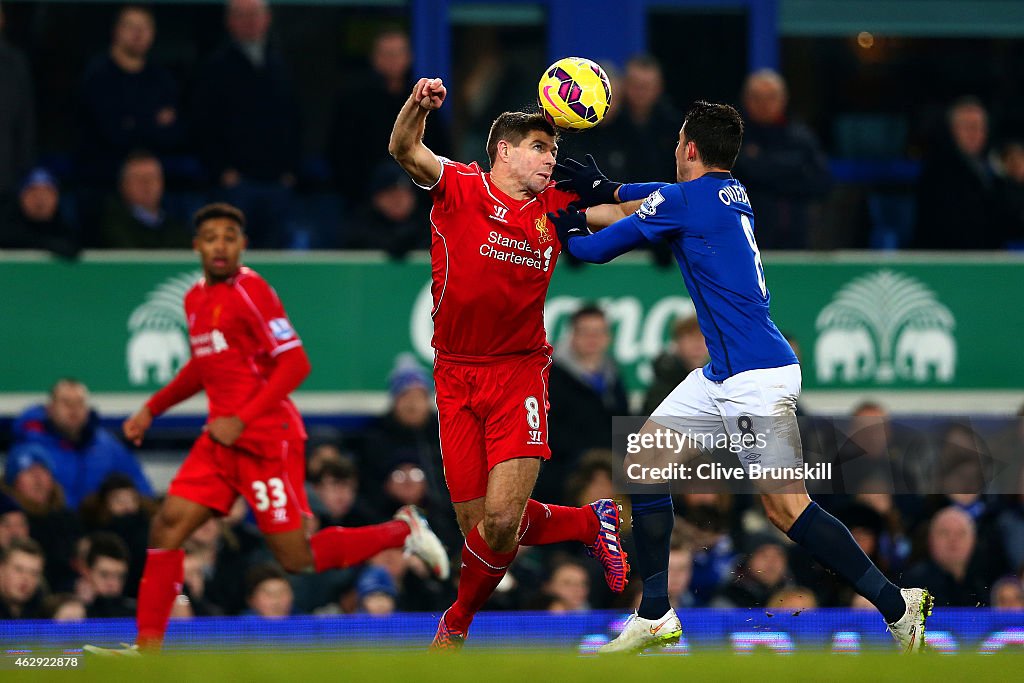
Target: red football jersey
[[236, 329], [492, 257]]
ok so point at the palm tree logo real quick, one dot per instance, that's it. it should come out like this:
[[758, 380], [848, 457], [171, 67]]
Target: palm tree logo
[[885, 326], [158, 342]]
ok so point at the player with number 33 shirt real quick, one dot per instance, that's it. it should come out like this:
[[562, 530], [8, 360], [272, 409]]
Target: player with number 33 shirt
[[248, 359]]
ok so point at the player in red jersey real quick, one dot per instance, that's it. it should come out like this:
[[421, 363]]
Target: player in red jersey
[[248, 358], [492, 255]]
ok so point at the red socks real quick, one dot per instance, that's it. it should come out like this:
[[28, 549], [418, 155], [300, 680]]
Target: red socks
[[161, 582], [543, 524], [482, 570], [337, 547]]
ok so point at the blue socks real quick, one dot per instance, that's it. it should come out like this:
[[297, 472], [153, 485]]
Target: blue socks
[[653, 518], [832, 545]]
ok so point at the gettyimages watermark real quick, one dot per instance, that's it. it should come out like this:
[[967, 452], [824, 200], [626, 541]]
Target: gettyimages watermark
[[749, 454]]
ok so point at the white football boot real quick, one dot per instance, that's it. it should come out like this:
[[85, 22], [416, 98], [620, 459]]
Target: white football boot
[[909, 630], [423, 542], [640, 634], [125, 650]]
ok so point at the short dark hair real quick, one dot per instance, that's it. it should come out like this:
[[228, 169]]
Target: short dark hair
[[513, 127], [260, 573], [28, 546], [716, 130], [138, 155], [106, 544], [340, 469], [644, 61], [142, 9], [587, 309], [64, 380], [218, 210]]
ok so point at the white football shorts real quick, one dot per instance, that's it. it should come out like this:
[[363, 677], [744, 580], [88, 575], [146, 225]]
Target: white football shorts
[[752, 413]]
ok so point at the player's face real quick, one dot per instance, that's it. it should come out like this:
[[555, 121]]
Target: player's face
[[532, 161], [219, 243]]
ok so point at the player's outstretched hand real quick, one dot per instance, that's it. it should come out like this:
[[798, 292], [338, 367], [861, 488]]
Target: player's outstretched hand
[[588, 181], [429, 93], [569, 223], [135, 427], [225, 430]]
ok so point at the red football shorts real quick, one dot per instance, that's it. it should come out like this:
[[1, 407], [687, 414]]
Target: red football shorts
[[270, 475], [490, 413]]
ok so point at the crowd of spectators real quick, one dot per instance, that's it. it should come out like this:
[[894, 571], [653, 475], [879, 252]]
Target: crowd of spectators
[[151, 144], [942, 508]]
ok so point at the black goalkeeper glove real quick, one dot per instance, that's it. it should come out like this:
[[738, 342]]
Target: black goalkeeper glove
[[588, 182], [569, 223]]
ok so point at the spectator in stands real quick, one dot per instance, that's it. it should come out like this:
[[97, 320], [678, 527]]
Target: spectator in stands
[[194, 588], [1011, 526], [246, 124], [569, 583], [958, 200], [63, 607], [268, 592], [21, 575], [715, 556], [34, 220], [106, 572], [781, 164], [377, 592], [390, 222], [336, 484], [893, 542], [892, 458], [687, 352], [586, 391], [118, 507], [13, 522], [1008, 594], [407, 484], [17, 119], [136, 218], [83, 453], [765, 571], [646, 125], [127, 101], [408, 431], [951, 538], [592, 480], [28, 477], [216, 555], [365, 111], [680, 569]]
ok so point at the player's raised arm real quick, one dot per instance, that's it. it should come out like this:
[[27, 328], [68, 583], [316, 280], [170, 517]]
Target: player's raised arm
[[406, 144], [186, 383]]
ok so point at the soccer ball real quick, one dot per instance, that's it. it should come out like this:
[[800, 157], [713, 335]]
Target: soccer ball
[[574, 93]]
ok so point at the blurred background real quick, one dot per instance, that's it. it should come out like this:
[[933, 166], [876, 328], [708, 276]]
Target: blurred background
[[884, 157]]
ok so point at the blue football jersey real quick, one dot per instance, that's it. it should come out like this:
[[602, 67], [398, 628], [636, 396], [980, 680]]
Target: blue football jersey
[[709, 225]]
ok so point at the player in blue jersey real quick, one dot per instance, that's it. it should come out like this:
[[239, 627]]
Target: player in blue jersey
[[753, 375]]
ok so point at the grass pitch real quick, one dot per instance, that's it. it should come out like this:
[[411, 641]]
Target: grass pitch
[[519, 666]]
